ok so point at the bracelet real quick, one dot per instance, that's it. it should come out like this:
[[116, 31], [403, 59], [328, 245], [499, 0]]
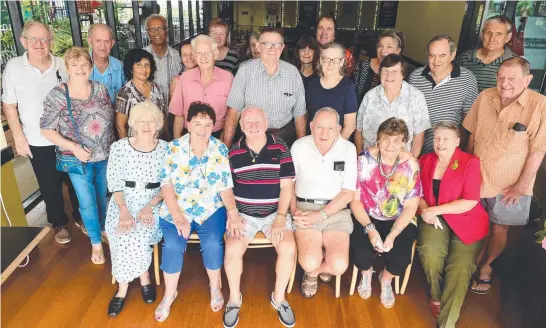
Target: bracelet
[[281, 214], [369, 227], [233, 209]]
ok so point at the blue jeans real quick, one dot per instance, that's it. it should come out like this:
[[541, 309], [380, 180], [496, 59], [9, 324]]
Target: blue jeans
[[91, 189], [211, 237]]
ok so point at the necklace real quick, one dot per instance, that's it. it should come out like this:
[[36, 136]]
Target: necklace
[[387, 176], [251, 155]]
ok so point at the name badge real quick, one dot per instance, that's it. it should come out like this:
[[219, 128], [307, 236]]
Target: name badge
[[339, 166]]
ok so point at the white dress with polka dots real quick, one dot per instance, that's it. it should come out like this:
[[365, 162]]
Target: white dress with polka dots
[[132, 252]]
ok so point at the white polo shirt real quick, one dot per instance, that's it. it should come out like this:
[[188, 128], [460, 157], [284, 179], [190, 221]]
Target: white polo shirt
[[323, 177], [25, 86]]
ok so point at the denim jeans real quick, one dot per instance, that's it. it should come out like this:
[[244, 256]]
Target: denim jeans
[[91, 189]]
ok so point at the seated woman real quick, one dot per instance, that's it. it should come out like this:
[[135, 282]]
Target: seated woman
[[384, 205], [453, 223], [306, 57], [197, 187], [333, 89], [132, 225], [79, 119], [139, 68]]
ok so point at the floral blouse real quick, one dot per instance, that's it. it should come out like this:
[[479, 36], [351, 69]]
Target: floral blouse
[[384, 199], [197, 182], [94, 118], [129, 96]]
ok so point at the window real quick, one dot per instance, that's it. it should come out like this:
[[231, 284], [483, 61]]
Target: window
[[7, 42], [328, 8], [289, 12], [186, 19], [175, 24], [125, 29], [347, 14], [90, 13]]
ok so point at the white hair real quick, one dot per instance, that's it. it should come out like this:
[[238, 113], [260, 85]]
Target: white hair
[[32, 23], [99, 25], [143, 109], [204, 38], [154, 16], [327, 110]]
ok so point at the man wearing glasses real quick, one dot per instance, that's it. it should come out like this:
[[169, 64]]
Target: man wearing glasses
[[167, 59], [106, 69], [271, 84]]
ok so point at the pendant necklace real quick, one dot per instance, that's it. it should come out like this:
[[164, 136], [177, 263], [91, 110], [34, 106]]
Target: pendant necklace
[[395, 165], [251, 155]]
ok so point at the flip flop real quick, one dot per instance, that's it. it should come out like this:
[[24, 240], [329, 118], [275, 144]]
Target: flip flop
[[479, 281]]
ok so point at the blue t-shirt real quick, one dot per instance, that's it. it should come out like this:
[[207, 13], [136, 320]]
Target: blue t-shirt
[[342, 97], [112, 78]]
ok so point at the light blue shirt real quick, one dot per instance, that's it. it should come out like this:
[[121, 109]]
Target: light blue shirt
[[112, 78]]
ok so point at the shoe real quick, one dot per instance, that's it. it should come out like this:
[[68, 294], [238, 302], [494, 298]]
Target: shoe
[[231, 313], [326, 277], [148, 293], [104, 238], [80, 225], [365, 286], [116, 305], [62, 236], [434, 307], [387, 295], [309, 285], [163, 310], [284, 312]]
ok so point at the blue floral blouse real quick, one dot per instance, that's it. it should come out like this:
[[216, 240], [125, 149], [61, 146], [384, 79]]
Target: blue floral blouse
[[197, 182]]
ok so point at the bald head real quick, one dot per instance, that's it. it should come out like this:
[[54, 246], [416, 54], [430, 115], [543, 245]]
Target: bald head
[[253, 122]]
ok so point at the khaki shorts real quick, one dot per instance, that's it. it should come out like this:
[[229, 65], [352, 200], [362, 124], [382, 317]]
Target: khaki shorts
[[341, 221], [499, 213], [253, 225]]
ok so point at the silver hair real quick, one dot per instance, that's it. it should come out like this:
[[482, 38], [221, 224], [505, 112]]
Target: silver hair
[[97, 25], [142, 109], [253, 107], [204, 38], [154, 16], [32, 23], [328, 110], [440, 37], [501, 19]]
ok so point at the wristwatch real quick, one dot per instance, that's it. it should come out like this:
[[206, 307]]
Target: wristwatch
[[368, 227], [323, 214]]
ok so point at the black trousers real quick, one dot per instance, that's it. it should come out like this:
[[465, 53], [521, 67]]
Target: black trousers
[[50, 182], [396, 260]]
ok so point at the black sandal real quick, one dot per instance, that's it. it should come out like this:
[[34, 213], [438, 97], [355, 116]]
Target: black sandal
[[478, 282]]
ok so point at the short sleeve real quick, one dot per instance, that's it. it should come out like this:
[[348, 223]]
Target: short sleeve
[[299, 107], [351, 104], [414, 188], [176, 107], [223, 169], [538, 139], [350, 175], [471, 93], [115, 168], [421, 121], [472, 180], [359, 161], [122, 105], [236, 98], [53, 104], [469, 122], [8, 88], [287, 165], [168, 163], [294, 153]]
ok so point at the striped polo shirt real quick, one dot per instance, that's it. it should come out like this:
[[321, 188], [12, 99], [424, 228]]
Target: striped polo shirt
[[257, 179], [448, 100], [486, 74], [230, 63]]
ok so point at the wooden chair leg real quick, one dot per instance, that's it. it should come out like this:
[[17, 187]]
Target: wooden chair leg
[[338, 286], [397, 285], [113, 280], [408, 271], [353, 280], [292, 277], [156, 265]]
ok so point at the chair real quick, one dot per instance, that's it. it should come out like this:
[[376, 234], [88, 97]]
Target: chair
[[259, 241], [156, 267], [397, 289]]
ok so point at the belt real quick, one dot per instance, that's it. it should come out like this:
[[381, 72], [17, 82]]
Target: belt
[[288, 125], [140, 185], [313, 201]]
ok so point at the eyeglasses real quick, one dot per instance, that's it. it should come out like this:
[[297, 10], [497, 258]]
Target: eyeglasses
[[157, 29], [269, 45], [327, 60], [34, 39], [385, 72], [204, 54]]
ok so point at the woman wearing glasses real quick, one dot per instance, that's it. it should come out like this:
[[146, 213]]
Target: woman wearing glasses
[[205, 83], [333, 89], [394, 97], [366, 75], [197, 187]]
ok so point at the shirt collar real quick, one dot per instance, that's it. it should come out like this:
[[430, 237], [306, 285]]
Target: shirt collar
[[54, 61], [167, 54], [270, 140], [185, 142], [455, 72], [404, 92], [196, 75], [507, 54], [279, 71]]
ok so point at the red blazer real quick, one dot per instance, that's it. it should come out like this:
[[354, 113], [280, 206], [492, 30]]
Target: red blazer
[[460, 181]]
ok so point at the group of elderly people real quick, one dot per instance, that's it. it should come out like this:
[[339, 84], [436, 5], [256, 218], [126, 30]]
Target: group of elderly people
[[290, 170]]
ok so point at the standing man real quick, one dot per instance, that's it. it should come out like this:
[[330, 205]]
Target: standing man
[[485, 61], [271, 84], [262, 170], [167, 59], [449, 89], [106, 69], [326, 33], [508, 134], [25, 84]]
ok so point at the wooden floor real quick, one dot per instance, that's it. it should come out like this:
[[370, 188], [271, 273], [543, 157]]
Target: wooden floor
[[60, 287]]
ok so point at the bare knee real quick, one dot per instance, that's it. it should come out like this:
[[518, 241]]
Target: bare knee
[[235, 249], [310, 262], [286, 248], [338, 264]]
